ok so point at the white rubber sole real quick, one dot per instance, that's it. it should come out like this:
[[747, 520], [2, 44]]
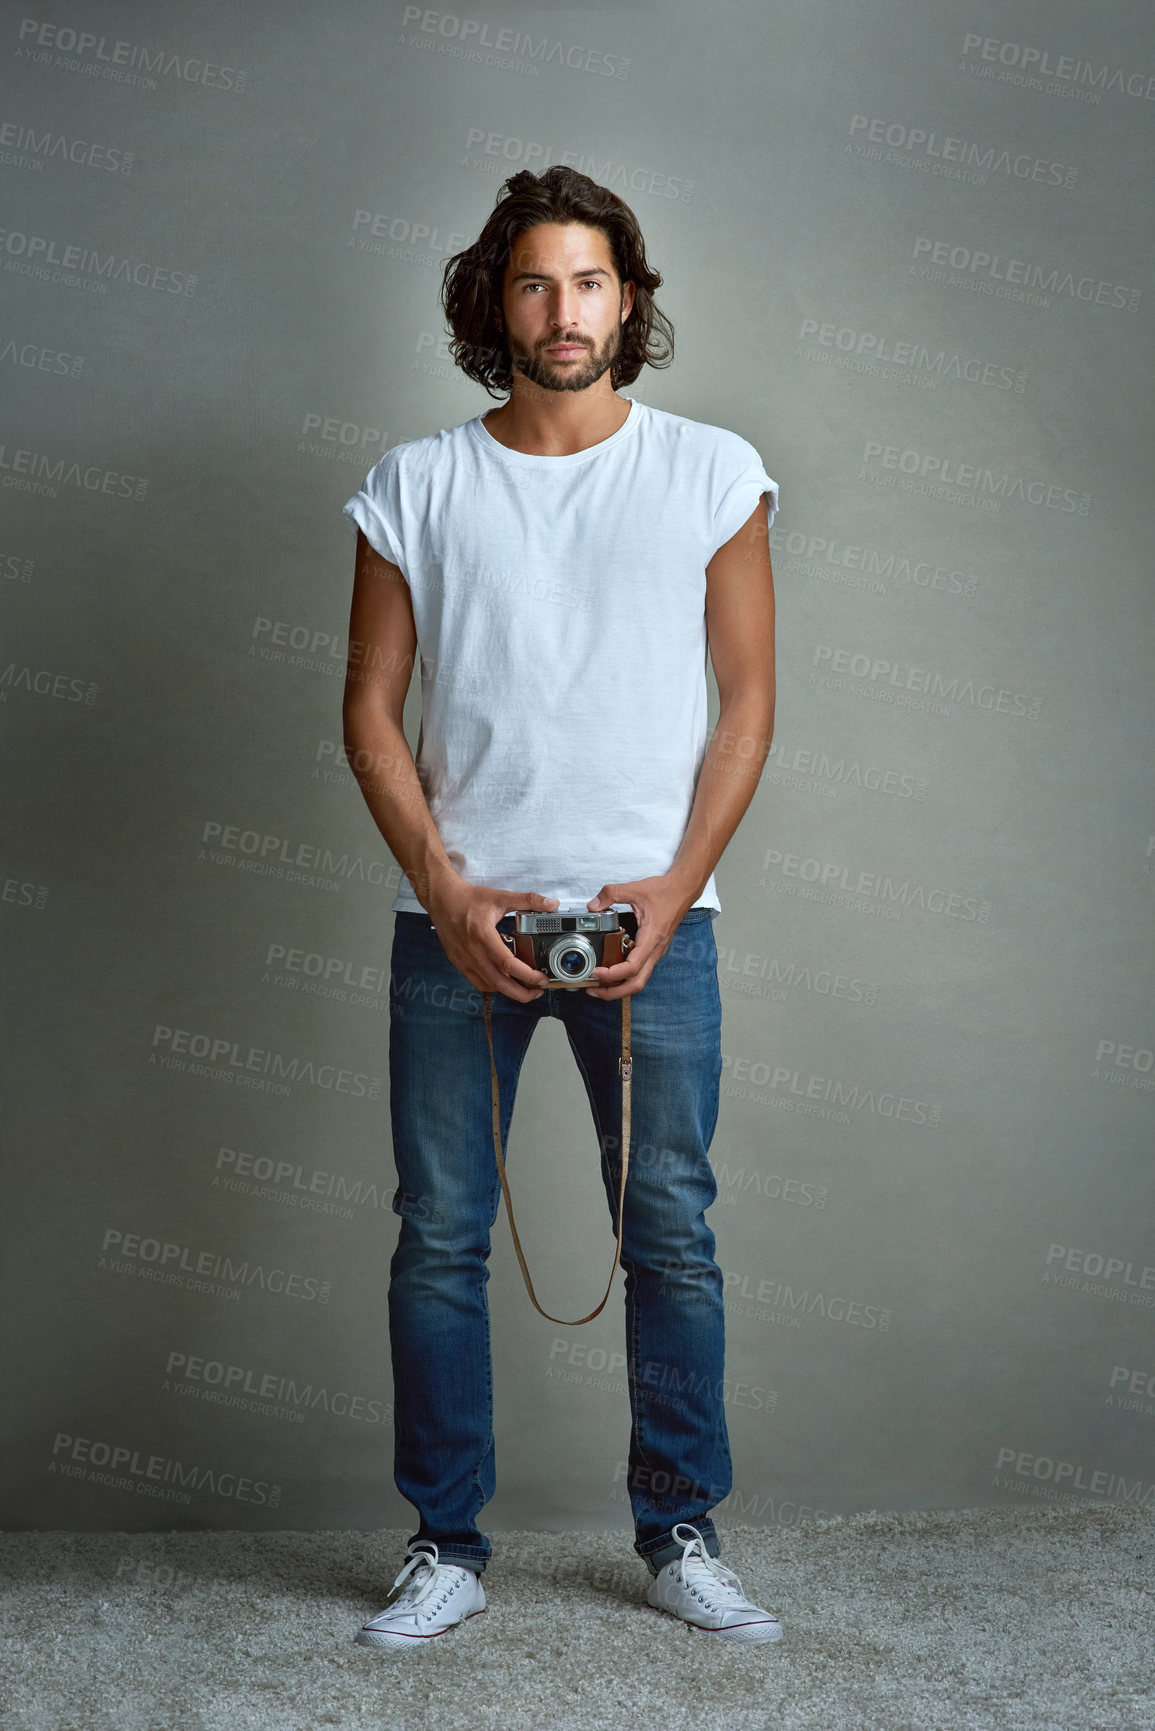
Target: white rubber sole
[[397, 1641], [760, 1633], [751, 1633]]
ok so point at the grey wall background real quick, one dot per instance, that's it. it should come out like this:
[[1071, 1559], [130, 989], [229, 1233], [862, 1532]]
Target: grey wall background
[[907, 253]]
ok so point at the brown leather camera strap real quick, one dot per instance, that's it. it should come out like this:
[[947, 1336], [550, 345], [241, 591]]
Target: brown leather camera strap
[[626, 1071]]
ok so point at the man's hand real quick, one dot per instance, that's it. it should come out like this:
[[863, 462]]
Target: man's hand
[[465, 918], [659, 903]]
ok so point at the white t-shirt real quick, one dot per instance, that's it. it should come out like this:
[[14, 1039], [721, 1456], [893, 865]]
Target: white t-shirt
[[560, 613]]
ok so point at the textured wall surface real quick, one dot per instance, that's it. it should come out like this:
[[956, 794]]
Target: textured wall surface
[[907, 253]]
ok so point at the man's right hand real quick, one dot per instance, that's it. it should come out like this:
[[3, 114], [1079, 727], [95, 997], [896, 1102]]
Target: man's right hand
[[465, 918]]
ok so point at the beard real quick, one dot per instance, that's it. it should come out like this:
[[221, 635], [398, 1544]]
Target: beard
[[541, 369]]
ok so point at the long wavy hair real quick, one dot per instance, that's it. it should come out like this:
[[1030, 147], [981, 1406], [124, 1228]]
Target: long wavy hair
[[472, 280]]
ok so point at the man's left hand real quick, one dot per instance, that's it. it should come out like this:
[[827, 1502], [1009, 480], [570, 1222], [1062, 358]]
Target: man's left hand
[[659, 904]]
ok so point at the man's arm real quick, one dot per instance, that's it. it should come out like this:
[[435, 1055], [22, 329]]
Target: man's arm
[[382, 647], [740, 627]]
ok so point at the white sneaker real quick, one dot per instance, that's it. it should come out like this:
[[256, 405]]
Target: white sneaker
[[698, 1589], [436, 1598]]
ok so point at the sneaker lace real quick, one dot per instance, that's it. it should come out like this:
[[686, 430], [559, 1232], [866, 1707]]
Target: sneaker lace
[[423, 1572], [716, 1586]]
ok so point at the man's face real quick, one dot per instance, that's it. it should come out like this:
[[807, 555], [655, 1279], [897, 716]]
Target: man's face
[[562, 305]]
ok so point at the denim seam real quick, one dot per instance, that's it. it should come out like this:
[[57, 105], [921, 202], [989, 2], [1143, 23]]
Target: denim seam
[[708, 1135]]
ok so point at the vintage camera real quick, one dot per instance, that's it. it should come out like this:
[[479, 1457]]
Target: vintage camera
[[569, 946]]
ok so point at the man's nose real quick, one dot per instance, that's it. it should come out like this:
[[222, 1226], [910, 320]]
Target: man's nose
[[561, 312]]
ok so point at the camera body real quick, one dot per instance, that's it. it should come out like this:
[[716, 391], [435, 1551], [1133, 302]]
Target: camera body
[[569, 946]]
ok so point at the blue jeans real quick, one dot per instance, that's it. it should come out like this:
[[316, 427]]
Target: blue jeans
[[448, 1196]]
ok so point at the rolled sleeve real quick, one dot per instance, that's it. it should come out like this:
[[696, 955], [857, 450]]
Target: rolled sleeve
[[740, 499], [372, 511]]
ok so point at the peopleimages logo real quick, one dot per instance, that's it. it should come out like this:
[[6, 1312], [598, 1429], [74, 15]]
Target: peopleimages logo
[[768, 975], [25, 147], [309, 864], [750, 1507], [827, 558], [37, 357], [229, 1060], [1140, 1386], [499, 153], [1124, 1065], [904, 354], [582, 1363], [18, 568], [309, 646], [834, 881], [883, 680], [18, 892], [152, 1475], [805, 768], [406, 236], [1056, 1476], [33, 254], [954, 158], [322, 970], [945, 477], [1015, 62], [770, 1186], [171, 1264], [794, 1091], [992, 267], [37, 472], [318, 1191], [778, 1294], [1095, 1265], [266, 1392], [1100, 1276], [45, 683], [123, 62], [476, 39], [337, 441]]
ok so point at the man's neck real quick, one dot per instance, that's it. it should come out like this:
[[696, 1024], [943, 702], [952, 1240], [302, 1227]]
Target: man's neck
[[556, 423]]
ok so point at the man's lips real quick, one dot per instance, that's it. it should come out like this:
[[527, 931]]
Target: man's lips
[[566, 349]]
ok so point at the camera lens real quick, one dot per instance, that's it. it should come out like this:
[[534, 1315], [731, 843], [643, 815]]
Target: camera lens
[[572, 958]]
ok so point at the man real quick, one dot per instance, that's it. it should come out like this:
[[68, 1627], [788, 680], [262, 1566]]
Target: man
[[560, 564]]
